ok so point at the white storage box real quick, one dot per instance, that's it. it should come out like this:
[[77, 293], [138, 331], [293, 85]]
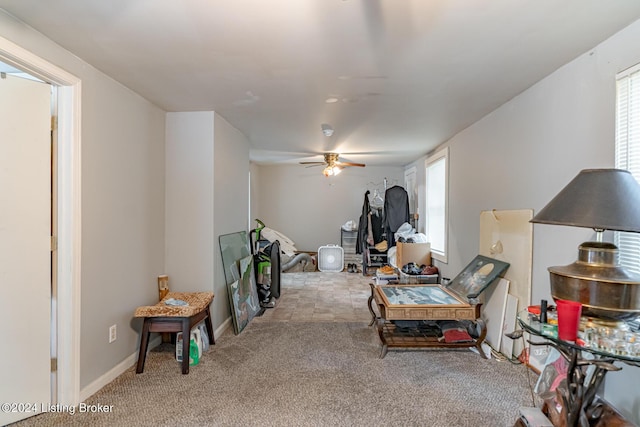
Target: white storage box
[[330, 258]]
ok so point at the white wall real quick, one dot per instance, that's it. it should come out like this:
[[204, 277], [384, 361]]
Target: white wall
[[122, 218], [207, 174], [189, 201], [254, 194], [310, 208], [122, 204], [521, 155], [231, 204]]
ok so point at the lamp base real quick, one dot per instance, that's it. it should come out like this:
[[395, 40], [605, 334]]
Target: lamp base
[[598, 282]]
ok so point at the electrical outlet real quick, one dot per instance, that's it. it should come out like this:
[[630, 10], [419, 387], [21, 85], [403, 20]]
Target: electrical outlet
[[112, 334]]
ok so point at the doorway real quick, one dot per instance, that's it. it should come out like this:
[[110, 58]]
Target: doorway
[[66, 213], [25, 250]]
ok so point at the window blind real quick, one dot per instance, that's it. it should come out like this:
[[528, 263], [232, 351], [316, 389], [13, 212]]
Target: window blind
[[627, 155]]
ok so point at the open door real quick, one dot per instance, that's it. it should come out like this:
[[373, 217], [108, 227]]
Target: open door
[[25, 247]]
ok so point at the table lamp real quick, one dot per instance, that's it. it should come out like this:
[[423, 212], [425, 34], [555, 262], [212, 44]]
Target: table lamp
[[601, 199]]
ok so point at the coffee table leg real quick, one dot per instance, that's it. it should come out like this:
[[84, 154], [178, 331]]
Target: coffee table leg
[[383, 340], [383, 351]]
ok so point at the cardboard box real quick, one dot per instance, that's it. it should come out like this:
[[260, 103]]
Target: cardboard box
[[418, 253]]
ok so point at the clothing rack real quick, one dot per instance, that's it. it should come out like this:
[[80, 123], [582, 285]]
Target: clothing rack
[[377, 191], [381, 215], [371, 186]]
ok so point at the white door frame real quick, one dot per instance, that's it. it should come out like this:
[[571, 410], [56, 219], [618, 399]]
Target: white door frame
[[68, 213]]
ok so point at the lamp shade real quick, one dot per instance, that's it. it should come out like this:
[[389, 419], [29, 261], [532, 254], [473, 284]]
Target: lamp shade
[[602, 199]]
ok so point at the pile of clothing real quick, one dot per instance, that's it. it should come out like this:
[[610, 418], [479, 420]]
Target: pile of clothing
[[449, 331], [422, 270]]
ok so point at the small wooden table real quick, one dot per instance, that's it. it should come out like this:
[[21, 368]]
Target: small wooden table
[[421, 302], [171, 318]]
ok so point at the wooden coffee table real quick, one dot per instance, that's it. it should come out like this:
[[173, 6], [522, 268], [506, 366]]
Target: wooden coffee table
[[421, 302]]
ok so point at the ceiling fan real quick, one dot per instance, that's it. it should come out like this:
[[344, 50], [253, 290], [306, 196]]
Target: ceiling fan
[[333, 164]]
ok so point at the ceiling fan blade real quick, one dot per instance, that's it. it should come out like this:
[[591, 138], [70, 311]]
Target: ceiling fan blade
[[311, 163], [315, 165], [360, 165]]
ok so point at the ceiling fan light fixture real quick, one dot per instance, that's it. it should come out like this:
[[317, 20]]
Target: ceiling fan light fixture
[[331, 171], [332, 164]]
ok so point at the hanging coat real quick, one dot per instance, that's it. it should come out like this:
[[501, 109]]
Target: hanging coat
[[396, 211], [363, 225]]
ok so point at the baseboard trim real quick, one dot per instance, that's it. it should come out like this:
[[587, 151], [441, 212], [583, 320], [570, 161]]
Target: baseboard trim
[[131, 360], [223, 327], [115, 372]]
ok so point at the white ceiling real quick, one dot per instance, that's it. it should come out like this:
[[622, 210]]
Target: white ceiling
[[406, 74]]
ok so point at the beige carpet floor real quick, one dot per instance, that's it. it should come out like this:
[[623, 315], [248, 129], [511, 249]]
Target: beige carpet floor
[[320, 367]]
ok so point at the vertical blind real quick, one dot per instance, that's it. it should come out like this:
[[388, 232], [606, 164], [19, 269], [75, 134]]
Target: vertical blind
[[628, 153]]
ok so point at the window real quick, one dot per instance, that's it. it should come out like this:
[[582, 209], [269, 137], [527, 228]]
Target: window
[[628, 153], [436, 218]]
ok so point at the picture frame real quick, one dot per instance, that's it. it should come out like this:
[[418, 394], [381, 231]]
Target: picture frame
[[477, 276], [238, 271], [553, 373], [243, 295]]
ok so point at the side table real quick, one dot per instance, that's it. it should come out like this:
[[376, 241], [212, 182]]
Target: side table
[[170, 318], [584, 375]]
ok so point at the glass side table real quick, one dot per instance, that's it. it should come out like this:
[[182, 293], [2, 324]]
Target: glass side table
[[584, 374]]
